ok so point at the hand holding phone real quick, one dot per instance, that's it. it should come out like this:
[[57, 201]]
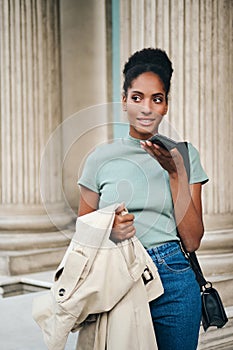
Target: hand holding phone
[[163, 141], [168, 144]]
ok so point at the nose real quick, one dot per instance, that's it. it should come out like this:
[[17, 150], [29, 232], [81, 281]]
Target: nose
[[146, 107]]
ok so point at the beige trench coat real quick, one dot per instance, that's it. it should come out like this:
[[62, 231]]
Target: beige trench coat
[[101, 289]]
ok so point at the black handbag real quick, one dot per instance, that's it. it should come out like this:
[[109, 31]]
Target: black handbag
[[213, 312]]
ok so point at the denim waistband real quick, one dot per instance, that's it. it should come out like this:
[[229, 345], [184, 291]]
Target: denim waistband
[[164, 249]]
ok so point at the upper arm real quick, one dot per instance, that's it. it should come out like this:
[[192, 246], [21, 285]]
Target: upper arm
[[195, 190], [89, 201]]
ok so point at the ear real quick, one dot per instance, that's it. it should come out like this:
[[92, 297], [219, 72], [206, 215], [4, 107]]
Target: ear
[[165, 109], [124, 102]]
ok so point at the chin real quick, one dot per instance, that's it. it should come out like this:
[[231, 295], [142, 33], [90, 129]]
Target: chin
[[146, 131], [142, 133]]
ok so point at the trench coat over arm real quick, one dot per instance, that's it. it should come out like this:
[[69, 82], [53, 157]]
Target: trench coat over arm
[[101, 289]]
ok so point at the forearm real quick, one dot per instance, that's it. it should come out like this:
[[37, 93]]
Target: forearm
[[188, 214]]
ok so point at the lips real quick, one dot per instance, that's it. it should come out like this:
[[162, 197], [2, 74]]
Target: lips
[[145, 121]]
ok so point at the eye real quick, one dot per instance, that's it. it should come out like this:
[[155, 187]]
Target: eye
[[158, 99], [136, 98]]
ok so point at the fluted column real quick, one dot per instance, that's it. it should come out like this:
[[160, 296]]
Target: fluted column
[[197, 36], [30, 110]]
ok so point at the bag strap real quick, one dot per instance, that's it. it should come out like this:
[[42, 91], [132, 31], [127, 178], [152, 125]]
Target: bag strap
[[183, 149], [197, 269]]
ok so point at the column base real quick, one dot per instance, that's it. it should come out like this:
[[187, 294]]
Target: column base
[[33, 240], [35, 252], [31, 261], [216, 259], [221, 339]]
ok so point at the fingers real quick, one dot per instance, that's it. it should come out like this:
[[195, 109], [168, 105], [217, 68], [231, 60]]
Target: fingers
[[121, 234], [154, 149], [123, 228], [146, 145], [171, 161], [123, 218]]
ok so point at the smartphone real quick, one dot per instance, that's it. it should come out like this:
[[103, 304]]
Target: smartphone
[[169, 144], [163, 141]]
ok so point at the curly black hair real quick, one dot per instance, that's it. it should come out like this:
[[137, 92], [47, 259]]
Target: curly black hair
[[148, 60]]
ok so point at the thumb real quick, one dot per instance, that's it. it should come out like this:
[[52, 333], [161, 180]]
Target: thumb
[[121, 208]]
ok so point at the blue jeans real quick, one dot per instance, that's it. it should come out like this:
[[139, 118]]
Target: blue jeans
[[176, 314]]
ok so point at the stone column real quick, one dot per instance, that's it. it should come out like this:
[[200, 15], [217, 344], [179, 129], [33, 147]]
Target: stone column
[[198, 37], [32, 235]]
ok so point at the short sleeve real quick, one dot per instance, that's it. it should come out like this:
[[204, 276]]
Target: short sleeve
[[197, 173], [89, 174]]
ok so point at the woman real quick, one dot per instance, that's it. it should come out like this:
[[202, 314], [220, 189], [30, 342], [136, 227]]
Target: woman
[[161, 201]]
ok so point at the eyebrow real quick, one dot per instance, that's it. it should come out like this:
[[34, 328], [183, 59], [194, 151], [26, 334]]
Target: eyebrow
[[141, 93]]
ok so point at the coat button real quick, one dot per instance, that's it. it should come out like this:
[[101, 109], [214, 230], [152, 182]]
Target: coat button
[[61, 292]]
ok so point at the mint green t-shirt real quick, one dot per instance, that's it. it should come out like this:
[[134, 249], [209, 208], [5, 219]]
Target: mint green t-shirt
[[122, 171]]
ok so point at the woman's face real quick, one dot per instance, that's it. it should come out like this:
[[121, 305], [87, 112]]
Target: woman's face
[[145, 104]]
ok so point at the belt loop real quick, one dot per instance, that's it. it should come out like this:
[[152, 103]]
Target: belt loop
[[157, 255]]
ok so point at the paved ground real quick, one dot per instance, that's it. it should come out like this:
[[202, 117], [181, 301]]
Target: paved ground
[[18, 331]]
